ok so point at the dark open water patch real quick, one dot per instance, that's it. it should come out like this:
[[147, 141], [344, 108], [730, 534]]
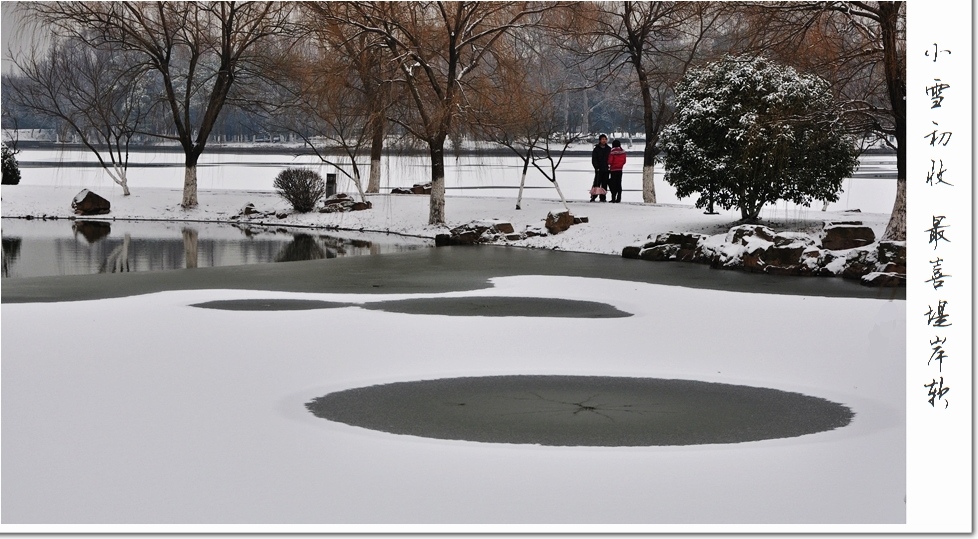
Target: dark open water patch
[[271, 304], [582, 411], [500, 306]]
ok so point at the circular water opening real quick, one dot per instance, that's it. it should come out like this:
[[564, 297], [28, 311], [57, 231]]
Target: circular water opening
[[582, 411]]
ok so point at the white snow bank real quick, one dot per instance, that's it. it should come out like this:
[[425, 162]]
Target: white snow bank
[[611, 227], [174, 414]]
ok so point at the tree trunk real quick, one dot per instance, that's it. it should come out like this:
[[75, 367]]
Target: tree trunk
[[585, 127], [648, 120], [561, 195], [119, 177], [190, 183], [896, 229], [436, 208], [648, 184], [376, 152], [894, 66], [526, 165]]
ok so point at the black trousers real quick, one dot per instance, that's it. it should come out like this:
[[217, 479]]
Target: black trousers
[[614, 186], [600, 180]]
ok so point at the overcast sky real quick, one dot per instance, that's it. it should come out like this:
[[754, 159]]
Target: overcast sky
[[14, 37]]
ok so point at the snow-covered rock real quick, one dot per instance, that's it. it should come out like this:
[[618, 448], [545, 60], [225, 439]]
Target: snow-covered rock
[[416, 189], [558, 221], [480, 231], [88, 203], [342, 202], [837, 237], [884, 279], [758, 248]]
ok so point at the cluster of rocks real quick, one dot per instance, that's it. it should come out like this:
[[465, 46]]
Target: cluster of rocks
[[496, 231], [416, 189], [847, 249], [250, 212], [341, 202], [89, 203]]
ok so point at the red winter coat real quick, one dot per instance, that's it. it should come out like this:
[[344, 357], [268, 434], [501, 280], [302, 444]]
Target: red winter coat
[[616, 159]]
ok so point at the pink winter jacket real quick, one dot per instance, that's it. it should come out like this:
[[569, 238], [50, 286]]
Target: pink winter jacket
[[616, 159]]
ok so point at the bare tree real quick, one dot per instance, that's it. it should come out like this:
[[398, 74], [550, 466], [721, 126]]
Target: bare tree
[[861, 48], [660, 41], [199, 50], [371, 74], [440, 49], [96, 94], [339, 91], [520, 107]]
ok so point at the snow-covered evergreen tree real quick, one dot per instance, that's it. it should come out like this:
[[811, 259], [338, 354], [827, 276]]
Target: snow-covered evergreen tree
[[11, 170], [748, 132]]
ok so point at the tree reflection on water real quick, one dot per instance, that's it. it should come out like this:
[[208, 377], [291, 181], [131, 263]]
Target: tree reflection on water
[[50, 248]]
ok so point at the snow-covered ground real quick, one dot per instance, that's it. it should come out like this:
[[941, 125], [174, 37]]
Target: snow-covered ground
[[611, 226], [145, 410], [471, 175]]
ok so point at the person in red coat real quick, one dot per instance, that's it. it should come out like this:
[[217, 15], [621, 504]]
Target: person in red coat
[[616, 162]]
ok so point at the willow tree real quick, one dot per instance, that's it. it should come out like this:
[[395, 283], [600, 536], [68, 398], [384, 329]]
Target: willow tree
[[199, 52], [520, 109], [361, 59], [657, 42], [440, 49], [95, 94]]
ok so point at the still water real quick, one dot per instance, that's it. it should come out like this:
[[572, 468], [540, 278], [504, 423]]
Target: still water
[[33, 248]]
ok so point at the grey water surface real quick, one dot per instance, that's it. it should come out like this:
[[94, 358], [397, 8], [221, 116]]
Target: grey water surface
[[37, 248]]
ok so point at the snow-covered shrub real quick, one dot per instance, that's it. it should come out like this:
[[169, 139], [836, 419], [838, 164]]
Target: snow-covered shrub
[[748, 132], [301, 187], [11, 170]]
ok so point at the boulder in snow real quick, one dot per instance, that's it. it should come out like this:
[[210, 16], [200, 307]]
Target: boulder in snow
[[558, 221], [838, 237], [421, 188], [89, 203], [892, 255], [342, 202], [742, 234], [631, 251], [659, 252], [859, 262], [478, 232], [884, 279]]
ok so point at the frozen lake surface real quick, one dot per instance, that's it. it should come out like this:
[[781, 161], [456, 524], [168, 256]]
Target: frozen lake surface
[[123, 403]]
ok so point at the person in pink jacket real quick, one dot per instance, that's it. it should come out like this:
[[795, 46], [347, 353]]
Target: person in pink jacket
[[616, 162]]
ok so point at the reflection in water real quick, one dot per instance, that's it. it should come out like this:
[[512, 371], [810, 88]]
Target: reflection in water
[[92, 231], [118, 259], [38, 248], [303, 247], [190, 246], [11, 250]]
